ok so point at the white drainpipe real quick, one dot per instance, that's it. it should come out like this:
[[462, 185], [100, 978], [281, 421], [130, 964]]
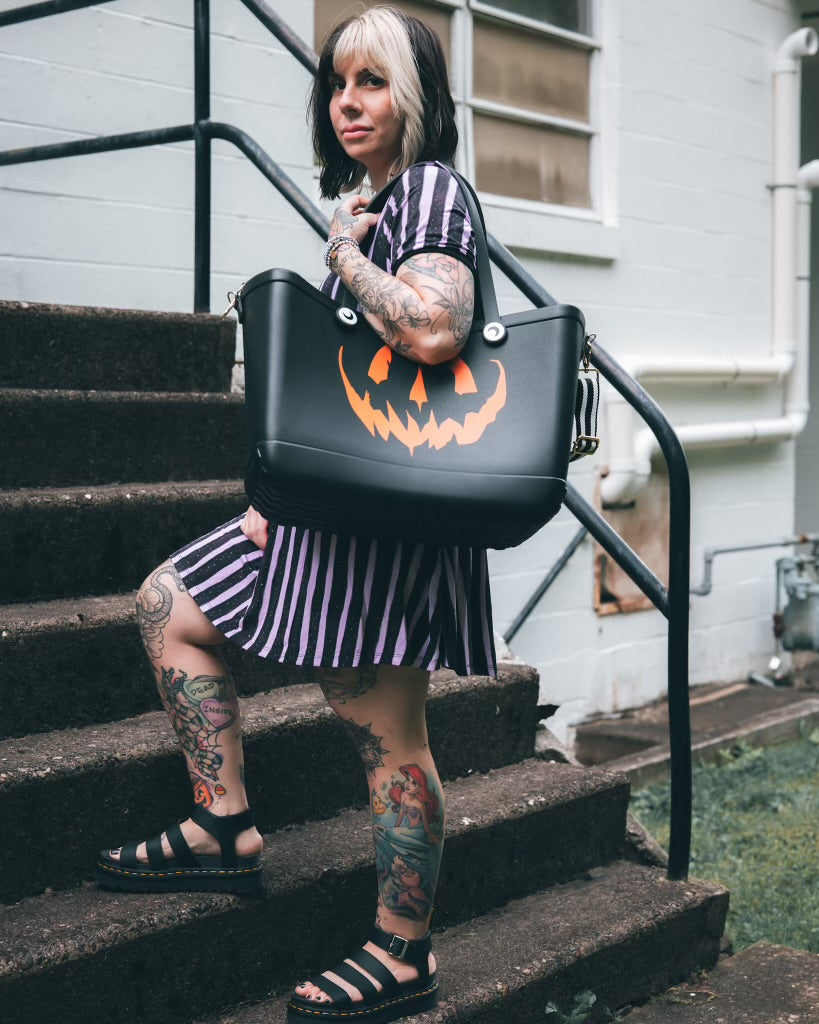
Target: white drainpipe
[[630, 451]]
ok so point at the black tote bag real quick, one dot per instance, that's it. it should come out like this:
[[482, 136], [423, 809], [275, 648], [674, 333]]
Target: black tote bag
[[345, 435]]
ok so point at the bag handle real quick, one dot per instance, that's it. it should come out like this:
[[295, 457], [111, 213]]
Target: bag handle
[[494, 333]]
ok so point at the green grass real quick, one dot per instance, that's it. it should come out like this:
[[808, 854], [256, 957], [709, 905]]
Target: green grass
[[756, 831]]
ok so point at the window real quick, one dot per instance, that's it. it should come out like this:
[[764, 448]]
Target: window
[[521, 74]]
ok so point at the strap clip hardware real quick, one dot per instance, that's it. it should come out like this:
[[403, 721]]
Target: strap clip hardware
[[401, 950]]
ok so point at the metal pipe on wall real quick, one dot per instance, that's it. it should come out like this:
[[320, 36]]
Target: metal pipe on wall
[[630, 452]]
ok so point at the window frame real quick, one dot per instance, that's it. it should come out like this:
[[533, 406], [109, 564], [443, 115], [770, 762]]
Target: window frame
[[530, 224]]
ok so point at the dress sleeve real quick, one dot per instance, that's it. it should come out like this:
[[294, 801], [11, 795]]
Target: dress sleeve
[[429, 214]]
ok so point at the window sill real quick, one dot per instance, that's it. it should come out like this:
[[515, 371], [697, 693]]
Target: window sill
[[535, 228]]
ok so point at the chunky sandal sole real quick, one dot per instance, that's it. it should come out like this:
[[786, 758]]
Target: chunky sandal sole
[[394, 1000], [111, 876], [403, 1005], [186, 871]]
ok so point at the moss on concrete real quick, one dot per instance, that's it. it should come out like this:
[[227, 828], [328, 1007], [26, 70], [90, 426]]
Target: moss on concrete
[[755, 830]]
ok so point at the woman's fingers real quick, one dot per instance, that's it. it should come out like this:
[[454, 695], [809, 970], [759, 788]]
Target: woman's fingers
[[350, 218], [254, 527]]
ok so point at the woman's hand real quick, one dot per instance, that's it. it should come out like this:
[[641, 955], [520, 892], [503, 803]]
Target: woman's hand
[[351, 220], [254, 527]]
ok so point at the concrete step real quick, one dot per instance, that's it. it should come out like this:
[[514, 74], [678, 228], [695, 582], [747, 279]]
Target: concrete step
[[623, 932], [56, 438], [65, 795], [50, 653], [49, 346], [76, 541], [763, 984], [146, 957]]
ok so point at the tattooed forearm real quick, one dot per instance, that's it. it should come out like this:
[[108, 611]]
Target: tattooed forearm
[[153, 608], [367, 743], [453, 292], [341, 685]]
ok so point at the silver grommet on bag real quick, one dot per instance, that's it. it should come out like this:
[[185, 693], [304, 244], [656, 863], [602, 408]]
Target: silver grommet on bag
[[347, 316], [494, 333]]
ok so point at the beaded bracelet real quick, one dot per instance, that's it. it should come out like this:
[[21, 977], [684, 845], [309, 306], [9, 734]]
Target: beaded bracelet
[[335, 243]]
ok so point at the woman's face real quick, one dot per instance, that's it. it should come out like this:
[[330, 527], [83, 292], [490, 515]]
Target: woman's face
[[362, 117], [410, 785]]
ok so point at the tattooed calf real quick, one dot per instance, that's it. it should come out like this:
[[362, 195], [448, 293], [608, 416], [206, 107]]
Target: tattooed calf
[[199, 709], [367, 743]]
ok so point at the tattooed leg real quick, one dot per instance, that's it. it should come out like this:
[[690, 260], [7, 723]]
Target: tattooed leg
[[199, 697], [386, 722]]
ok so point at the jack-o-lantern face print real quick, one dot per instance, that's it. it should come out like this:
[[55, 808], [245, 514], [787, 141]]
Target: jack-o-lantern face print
[[386, 402]]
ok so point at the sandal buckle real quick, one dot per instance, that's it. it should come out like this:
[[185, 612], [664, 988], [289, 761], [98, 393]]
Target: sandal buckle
[[400, 952]]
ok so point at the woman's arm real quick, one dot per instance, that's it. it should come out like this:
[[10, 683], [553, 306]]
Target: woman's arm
[[425, 311]]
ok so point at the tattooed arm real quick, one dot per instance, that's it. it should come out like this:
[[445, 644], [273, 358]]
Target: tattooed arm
[[425, 311]]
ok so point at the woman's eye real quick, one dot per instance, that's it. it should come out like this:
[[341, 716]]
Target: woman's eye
[[376, 81]]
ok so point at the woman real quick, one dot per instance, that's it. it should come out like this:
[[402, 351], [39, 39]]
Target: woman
[[372, 617]]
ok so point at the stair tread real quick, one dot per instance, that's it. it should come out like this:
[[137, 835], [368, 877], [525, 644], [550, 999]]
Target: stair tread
[[53, 346], [135, 738], [534, 939], [99, 396], [114, 493], [87, 919], [108, 312], [74, 612], [762, 984]]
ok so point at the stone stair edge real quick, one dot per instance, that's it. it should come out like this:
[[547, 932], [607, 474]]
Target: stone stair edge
[[551, 945], [67, 613], [149, 732], [293, 856], [129, 775], [116, 493], [100, 396], [105, 312], [765, 983]]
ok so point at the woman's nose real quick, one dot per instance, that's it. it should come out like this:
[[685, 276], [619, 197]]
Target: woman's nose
[[349, 99]]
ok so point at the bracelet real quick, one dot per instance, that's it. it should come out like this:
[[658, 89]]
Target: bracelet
[[334, 244]]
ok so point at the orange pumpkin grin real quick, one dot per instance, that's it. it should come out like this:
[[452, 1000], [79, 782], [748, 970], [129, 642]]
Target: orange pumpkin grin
[[412, 433]]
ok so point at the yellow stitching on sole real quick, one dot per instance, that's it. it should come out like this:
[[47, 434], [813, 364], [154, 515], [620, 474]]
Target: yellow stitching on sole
[[187, 872], [377, 1008]]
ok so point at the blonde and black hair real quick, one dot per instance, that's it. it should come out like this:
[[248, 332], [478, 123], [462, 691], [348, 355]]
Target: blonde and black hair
[[408, 54]]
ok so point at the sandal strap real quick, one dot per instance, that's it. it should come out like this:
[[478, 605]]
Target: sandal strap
[[414, 951], [353, 976], [379, 970], [181, 851], [225, 829], [335, 992], [127, 854], [153, 847]]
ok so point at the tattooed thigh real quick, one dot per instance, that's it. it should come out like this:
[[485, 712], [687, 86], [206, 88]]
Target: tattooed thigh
[[343, 684], [153, 607]]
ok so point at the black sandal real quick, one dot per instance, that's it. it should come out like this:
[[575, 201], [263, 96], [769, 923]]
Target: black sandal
[[393, 1000], [186, 871]]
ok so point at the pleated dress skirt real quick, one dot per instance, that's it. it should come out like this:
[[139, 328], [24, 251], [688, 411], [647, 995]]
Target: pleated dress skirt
[[321, 599]]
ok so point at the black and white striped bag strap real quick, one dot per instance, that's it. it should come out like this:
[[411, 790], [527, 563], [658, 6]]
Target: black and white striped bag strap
[[587, 400]]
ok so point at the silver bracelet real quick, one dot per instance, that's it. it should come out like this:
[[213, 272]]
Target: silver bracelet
[[335, 243]]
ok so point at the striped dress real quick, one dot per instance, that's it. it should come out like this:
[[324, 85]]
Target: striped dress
[[322, 599]]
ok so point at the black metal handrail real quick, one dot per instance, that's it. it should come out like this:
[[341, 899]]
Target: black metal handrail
[[673, 602]]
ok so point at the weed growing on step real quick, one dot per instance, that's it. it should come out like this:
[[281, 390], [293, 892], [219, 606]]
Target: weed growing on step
[[581, 1011], [756, 831]]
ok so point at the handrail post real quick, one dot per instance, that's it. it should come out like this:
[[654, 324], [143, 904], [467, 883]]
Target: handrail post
[[202, 156]]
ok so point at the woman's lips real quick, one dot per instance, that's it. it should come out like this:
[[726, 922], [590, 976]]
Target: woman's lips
[[355, 132]]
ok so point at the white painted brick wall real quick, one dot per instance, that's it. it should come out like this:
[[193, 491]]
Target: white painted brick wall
[[117, 228], [690, 90]]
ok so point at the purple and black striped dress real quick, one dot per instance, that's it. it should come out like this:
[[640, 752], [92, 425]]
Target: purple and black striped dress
[[313, 598]]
